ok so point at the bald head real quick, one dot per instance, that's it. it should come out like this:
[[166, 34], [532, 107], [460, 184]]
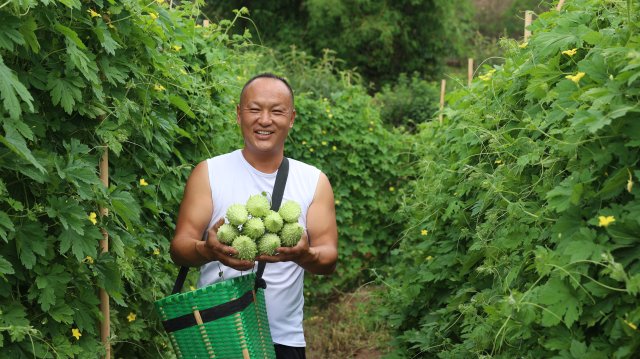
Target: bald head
[[266, 75]]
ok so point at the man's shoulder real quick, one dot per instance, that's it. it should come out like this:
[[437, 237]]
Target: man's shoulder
[[302, 166]]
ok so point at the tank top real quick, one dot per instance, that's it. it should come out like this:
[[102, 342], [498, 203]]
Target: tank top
[[232, 180]]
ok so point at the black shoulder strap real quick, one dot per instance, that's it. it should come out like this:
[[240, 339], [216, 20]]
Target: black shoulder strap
[[276, 200]]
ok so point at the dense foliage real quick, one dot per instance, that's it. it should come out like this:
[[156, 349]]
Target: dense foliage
[[77, 78], [380, 38], [522, 229]]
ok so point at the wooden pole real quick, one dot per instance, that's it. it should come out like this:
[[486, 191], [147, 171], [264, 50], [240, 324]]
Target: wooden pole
[[559, 6], [469, 71], [104, 247], [443, 86], [528, 16]]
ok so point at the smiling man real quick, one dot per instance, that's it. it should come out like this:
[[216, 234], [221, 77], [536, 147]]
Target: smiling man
[[265, 115]]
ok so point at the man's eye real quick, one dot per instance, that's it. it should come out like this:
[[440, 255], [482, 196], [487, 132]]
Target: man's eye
[[254, 110], [278, 112]]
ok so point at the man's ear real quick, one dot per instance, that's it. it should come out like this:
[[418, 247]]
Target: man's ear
[[238, 114], [293, 118]]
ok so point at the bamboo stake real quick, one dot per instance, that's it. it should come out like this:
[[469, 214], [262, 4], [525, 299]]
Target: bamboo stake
[[443, 86], [104, 247], [469, 71], [528, 16], [559, 6]]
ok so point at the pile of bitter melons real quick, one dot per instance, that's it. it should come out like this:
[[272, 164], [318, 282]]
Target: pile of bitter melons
[[253, 228]]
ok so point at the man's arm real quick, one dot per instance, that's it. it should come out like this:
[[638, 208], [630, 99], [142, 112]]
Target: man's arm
[[187, 246], [317, 253]]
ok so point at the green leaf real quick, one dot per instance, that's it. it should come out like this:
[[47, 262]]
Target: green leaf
[[126, 207], [182, 104], [65, 91], [615, 184], [6, 225], [27, 29], [31, 240], [9, 33], [108, 43], [5, 266], [51, 285], [83, 61], [62, 313], [16, 143], [108, 273], [81, 245], [10, 89], [71, 35]]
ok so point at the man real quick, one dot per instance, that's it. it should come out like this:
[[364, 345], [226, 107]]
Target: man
[[265, 115]]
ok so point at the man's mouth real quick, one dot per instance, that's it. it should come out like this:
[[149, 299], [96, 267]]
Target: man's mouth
[[264, 132]]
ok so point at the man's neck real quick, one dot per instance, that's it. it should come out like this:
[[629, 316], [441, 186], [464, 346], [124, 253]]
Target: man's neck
[[265, 163]]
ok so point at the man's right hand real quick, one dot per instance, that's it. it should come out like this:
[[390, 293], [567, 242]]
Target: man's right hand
[[213, 250]]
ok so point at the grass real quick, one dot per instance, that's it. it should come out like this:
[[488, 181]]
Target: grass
[[345, 328]]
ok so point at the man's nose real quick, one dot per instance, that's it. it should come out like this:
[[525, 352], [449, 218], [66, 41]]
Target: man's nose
[[265, 117]]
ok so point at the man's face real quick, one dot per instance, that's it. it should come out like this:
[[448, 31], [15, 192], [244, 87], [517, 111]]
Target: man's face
[[265, 115]]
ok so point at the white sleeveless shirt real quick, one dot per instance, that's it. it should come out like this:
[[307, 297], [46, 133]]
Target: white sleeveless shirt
[[232, 180]]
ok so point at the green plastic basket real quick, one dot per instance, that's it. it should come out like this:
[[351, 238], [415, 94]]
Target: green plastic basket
[[225, 320]]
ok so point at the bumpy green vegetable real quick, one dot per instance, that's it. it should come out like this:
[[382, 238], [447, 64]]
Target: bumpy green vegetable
[[254, 228], [290, 211], [290, 234], [237, 214], [273, 222], [227, 233], [268, 244], [246, 247], [258, 205]]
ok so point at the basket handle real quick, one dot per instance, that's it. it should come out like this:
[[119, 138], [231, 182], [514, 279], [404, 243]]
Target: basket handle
[[276, 200]]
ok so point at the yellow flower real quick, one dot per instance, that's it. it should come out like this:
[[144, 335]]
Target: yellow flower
[[153, 15], [304, 142], [156, 252], [424, 232], [160, 2], [75, 332], [158, 87], [131, 317], [311, 149], [523, 45], [631, 325], [576, 78], [605, 221], [324, 132], [487, 76], [334, 148], [370, 129], [192, 287], [429, 258], [330, 115], [498, 162], [93, 218], [143, 182], [570, 52], [88, 259], [177, 47], [391, 189], [324, 143], [93, 13], [337, 202]]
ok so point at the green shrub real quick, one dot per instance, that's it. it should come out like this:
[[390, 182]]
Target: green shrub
[[409, 102], [522, 228], [159, 92]]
